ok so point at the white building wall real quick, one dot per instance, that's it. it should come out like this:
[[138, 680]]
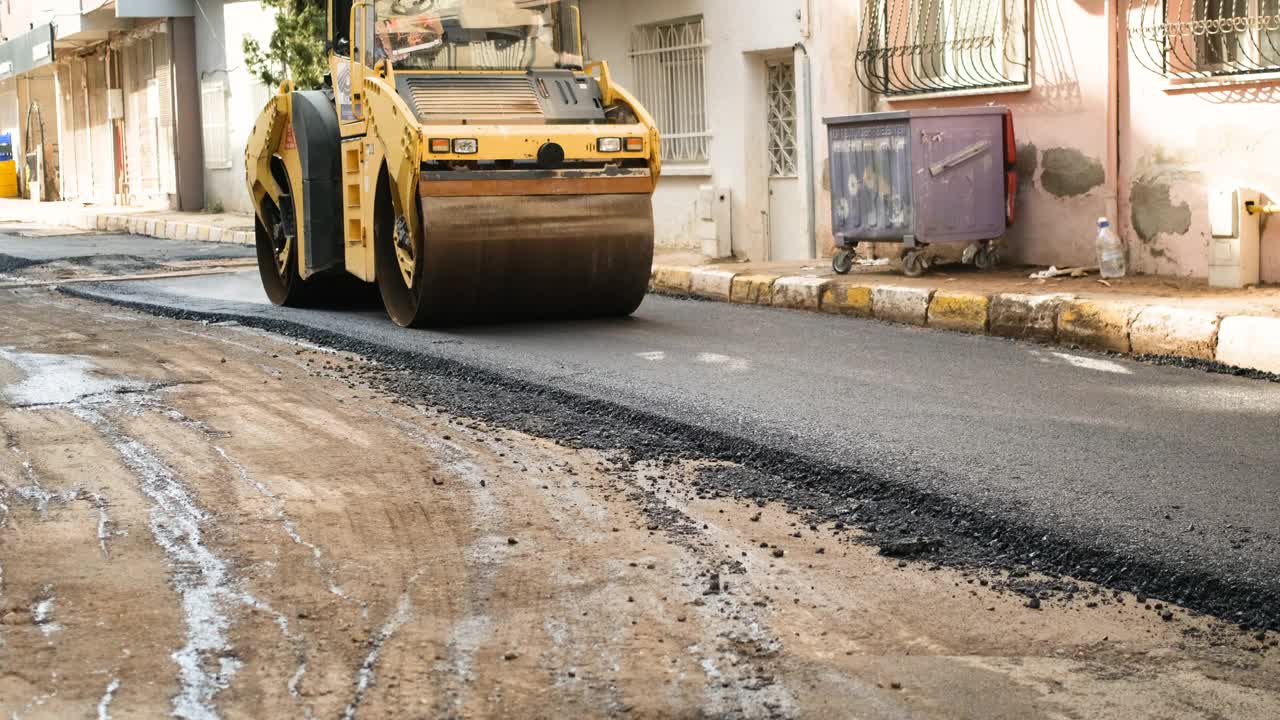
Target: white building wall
[[741, 35], [220, 31]]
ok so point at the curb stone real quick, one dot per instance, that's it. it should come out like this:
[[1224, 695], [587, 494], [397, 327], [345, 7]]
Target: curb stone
[[799, 293], [959, 311], [1119, 327], [1096, 325], [1250, 342], [1175, 331], [753, 289], [1026, 317], [712, 284], [852, 300], [666, 278], [908, 305]]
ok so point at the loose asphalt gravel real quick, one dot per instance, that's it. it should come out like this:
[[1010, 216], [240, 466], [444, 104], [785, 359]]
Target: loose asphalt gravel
[[946, 447]]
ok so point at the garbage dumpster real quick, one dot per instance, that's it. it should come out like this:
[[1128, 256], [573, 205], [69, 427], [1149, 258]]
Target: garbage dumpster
[[921, 177]]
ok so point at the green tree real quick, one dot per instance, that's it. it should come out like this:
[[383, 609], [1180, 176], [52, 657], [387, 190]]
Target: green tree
[[296, 48]]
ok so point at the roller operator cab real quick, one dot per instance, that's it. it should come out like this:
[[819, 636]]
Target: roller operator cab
[[465, 159]]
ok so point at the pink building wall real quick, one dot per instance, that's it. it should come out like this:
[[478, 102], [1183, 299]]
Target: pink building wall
[[1173, 145]]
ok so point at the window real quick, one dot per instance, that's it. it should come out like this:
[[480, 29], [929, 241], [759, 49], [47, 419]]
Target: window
[[1193, 39], [213, 118], [1240, 35], [912, 47], [669, 63], [782, 119]]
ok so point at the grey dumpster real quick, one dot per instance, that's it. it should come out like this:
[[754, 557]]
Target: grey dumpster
[[921, 177]]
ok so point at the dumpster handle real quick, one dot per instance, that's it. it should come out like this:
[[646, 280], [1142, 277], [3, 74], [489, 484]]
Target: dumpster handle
[[963, 156]]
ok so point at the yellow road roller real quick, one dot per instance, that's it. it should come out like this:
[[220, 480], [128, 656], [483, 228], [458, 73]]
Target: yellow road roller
[[465, 159]]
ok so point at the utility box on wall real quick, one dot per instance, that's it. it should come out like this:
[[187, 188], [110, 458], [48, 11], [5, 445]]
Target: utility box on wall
[[715, 221], [1235, 248]]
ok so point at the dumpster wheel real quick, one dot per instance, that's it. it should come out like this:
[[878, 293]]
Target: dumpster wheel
[[988, 257], [914, 264], [842, 263]]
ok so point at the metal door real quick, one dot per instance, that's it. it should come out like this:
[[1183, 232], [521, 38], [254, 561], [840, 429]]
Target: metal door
[[786, 225]]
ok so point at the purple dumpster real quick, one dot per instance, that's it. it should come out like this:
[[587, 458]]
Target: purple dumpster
[[921, 177]]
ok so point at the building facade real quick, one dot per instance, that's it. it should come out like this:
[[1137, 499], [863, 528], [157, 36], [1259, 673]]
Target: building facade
[[231, 97], [734, 86], [1143, 111], [1138, 110], [115, 100]]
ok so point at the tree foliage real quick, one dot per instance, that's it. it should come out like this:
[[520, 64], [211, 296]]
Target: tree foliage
[[296, 49]]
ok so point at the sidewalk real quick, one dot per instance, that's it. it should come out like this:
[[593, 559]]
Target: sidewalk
[[223, 227], [1141, 316]]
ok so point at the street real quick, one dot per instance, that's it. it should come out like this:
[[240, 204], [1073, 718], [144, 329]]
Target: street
[[214, 507]]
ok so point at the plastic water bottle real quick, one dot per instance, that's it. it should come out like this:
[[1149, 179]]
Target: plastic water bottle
[[1110, 251]]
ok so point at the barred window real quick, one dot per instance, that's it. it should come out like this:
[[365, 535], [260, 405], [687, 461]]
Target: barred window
[[669, 60], [1205, 38], [913, 47], [781, 121]]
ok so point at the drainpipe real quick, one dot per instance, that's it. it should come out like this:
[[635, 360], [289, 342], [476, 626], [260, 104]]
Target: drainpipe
[[1114, 28], [804, 79]]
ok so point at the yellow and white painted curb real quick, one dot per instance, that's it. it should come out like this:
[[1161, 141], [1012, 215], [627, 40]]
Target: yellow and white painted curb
[[1252, 343], [163, 228]]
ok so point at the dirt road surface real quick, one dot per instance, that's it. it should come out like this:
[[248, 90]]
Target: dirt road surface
[[210, 521]]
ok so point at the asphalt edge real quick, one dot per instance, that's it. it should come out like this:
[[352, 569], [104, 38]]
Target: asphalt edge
[[1021, 544], [1246, 346]]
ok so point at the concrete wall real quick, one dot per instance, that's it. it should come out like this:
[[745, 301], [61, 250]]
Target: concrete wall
[[220, 31], [1177, 144]]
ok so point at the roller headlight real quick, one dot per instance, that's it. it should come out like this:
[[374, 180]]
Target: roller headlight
[[609, 145], [466, 146]]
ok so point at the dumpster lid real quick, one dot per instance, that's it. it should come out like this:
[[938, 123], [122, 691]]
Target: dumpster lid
[[877, 117]]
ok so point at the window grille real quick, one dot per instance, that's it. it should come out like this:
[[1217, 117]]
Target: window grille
[[669, 62], [913, 47], [782, 119], [1193, 39], [213, 120]]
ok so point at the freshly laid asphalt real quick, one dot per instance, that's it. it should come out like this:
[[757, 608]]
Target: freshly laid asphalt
[[1158, 479]]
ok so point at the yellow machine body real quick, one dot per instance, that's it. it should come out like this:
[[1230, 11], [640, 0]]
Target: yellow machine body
[[462, 194]]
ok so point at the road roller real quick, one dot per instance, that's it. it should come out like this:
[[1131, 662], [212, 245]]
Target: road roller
[[464, 158]]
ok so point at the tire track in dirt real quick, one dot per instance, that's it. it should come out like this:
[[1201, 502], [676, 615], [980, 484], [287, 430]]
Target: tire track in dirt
[[455, 672], [365, 675], [203, 580]]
